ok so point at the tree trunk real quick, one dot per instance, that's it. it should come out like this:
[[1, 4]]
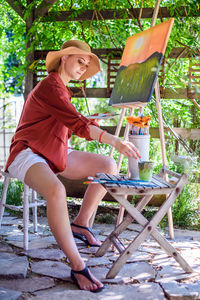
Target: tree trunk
[[29, 56]]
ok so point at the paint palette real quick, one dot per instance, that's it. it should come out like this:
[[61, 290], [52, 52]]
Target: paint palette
[[102, 116]]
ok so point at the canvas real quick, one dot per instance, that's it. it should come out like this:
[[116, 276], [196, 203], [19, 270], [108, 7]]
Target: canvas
[[140, 64]]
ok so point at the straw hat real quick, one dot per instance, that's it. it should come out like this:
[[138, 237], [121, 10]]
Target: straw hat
[[73, 47]]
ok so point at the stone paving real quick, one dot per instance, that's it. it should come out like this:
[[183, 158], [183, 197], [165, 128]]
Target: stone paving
[[42, 273]]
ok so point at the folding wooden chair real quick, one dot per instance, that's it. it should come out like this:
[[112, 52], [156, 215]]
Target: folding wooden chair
[[34, 203], [120, 191]]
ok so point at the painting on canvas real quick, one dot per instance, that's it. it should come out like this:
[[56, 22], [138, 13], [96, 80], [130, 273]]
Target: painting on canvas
[[140, 64]]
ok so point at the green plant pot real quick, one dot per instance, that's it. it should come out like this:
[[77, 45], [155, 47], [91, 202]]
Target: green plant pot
[[145, 170]]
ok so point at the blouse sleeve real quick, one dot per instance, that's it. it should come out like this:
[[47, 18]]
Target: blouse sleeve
[[55, 99]]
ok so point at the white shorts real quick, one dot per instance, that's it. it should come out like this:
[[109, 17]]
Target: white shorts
[[23, 161]]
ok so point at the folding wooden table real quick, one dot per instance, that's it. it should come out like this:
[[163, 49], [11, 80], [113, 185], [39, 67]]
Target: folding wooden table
[[120, 191]]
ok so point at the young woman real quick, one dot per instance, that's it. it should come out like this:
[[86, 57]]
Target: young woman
[[39, 152]]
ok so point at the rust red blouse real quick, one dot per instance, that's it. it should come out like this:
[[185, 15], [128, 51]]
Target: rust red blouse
[[47, 121]]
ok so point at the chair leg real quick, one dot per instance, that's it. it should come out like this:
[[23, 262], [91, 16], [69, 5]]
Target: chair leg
[[26, 215], [3, 198], [34, 210]]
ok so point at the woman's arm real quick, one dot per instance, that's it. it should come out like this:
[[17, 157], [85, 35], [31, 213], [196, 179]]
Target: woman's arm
[[124, 147]]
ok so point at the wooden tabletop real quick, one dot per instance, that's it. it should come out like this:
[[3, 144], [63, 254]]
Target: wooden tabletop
[[121, 184]]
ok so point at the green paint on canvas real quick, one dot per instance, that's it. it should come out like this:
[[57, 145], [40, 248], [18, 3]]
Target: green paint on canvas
[[135, 83]]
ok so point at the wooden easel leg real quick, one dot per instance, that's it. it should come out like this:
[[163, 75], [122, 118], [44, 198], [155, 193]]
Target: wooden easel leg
[[117, 132], [160, 121], [121, 210], [163, 149], [119, 126]]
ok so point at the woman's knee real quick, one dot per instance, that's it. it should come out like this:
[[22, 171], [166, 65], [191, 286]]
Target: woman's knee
[[109, 165], [56, 192]]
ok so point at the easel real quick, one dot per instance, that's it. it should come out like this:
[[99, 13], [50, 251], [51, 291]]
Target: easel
[[161, 132]]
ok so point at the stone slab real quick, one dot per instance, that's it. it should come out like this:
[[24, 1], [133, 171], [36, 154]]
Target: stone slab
[[13, 266], [104, 230], [133, 272], [163, 260], [147, 291], [99, 272], [7, 294], [49, 239], [150, 243], [88, 250], [192, 256], [9, 229], [50, 254], [155, 250], [97, 261], [60, 287], [11, 220], [93, 250], [43, 230], [42, 220], [168, 273], [6, 214], [65, 295], [51, 268], [34, 244], [134, 227], [128, 235], [103, 227], [178, 291], [186, 233], [100, 237], [4, 247], [19, 237], [137, 256], [185, 244], [196, 238], [28, 285], [8, 255]]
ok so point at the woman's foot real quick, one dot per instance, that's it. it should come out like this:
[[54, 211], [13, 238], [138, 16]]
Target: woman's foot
[[86, 281], [85, 234]]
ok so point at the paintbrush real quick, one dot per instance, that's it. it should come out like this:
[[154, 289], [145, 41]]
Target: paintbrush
[[124, 182]]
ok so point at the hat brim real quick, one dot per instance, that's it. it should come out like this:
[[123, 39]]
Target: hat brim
[[53, 57]]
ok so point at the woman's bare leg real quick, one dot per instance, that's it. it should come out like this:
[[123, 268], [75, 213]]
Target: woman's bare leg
[[41, 178], [81, 165]]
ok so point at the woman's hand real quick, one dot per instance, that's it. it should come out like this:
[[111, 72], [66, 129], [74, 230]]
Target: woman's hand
[[127, 148]]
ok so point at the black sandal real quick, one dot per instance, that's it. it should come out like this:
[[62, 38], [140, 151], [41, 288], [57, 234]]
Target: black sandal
[[86, 274], [82, 237]]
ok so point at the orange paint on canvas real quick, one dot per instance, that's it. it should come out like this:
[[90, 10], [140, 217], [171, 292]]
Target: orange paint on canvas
[[142, 45]]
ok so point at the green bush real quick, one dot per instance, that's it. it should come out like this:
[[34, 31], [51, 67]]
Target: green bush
[[14, 193], [185, 209]]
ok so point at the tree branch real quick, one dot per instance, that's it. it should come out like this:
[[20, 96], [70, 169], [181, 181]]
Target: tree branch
[[196, 104], [19, 8], [135, 17], [44, 7]]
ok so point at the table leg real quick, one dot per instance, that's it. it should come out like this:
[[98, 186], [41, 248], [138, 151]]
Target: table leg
[[149, 228]]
